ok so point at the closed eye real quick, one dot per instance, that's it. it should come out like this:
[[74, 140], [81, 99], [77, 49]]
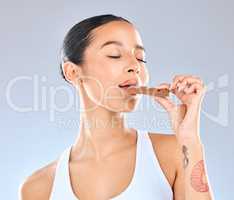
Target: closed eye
[[116, 57], [142, 60], [113, 56]]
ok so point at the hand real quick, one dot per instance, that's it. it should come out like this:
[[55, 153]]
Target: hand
[[185, 117]]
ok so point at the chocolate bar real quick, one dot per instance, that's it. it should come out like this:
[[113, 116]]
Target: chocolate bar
[[161, 92]]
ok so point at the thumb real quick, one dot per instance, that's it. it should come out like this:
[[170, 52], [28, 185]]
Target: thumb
[[165, 103]]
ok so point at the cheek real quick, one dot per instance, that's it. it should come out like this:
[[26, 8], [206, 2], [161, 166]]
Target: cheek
[[102, 79], [102, 70], [112, 69], [108, 72]]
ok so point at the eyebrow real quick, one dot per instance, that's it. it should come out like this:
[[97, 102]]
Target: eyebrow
[[137, 46]]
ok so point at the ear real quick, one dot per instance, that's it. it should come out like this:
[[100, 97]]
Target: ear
[[71, 71]]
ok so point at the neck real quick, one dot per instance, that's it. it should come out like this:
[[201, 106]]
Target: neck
[[101, 131]]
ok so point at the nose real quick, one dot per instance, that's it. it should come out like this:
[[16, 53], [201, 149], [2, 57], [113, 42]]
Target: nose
[[133, 67]]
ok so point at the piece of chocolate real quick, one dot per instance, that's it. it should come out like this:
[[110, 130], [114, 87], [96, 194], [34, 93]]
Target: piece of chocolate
[[161, 92]]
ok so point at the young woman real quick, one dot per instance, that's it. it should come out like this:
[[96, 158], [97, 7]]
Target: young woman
[[101, 57]]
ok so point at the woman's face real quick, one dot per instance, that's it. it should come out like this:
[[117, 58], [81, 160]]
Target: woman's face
[[116, 54]]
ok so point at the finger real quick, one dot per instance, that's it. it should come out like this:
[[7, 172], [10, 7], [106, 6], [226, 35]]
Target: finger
[[187, 81], [181, 85], [194, 88], [180, 78], [165, 103], [177, 93], [191, 79], [176, 79]]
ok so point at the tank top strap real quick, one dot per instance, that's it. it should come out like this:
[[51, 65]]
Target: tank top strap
[[130, 191], [61, 187], [152, 165]]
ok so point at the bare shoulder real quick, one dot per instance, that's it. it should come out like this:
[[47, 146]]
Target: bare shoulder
[[39, 184]]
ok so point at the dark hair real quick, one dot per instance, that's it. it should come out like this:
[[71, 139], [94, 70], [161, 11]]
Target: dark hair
[[79, 37]]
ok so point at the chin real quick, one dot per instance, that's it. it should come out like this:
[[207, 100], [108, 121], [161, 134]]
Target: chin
[[128, 105], [131, 105]]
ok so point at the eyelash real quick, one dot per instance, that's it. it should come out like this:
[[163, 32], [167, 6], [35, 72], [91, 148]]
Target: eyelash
[[116, 57]]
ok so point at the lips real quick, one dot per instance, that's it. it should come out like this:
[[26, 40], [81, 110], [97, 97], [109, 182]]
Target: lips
[[129, 83]]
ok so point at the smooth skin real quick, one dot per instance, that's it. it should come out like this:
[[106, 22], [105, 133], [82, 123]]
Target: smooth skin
[[99, 149]]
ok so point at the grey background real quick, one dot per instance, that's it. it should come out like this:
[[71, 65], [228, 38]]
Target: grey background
[[180, 37]]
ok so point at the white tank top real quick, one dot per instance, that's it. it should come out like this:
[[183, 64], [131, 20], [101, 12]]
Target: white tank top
[[148, 181]]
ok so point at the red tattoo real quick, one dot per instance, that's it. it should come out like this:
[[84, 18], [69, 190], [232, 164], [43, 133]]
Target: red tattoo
[[198, 181]]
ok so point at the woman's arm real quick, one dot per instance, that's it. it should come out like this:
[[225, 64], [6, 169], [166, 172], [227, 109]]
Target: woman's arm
[[195, 173], [191, 176], [191, 182]]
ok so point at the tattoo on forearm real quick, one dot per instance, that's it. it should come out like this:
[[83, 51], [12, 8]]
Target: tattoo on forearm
[[198, 178], [185, 160]]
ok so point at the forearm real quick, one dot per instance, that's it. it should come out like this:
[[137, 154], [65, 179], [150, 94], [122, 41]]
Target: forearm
[[195, 173]]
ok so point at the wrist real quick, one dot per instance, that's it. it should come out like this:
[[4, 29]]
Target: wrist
[[190, 140], [192, 146]]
